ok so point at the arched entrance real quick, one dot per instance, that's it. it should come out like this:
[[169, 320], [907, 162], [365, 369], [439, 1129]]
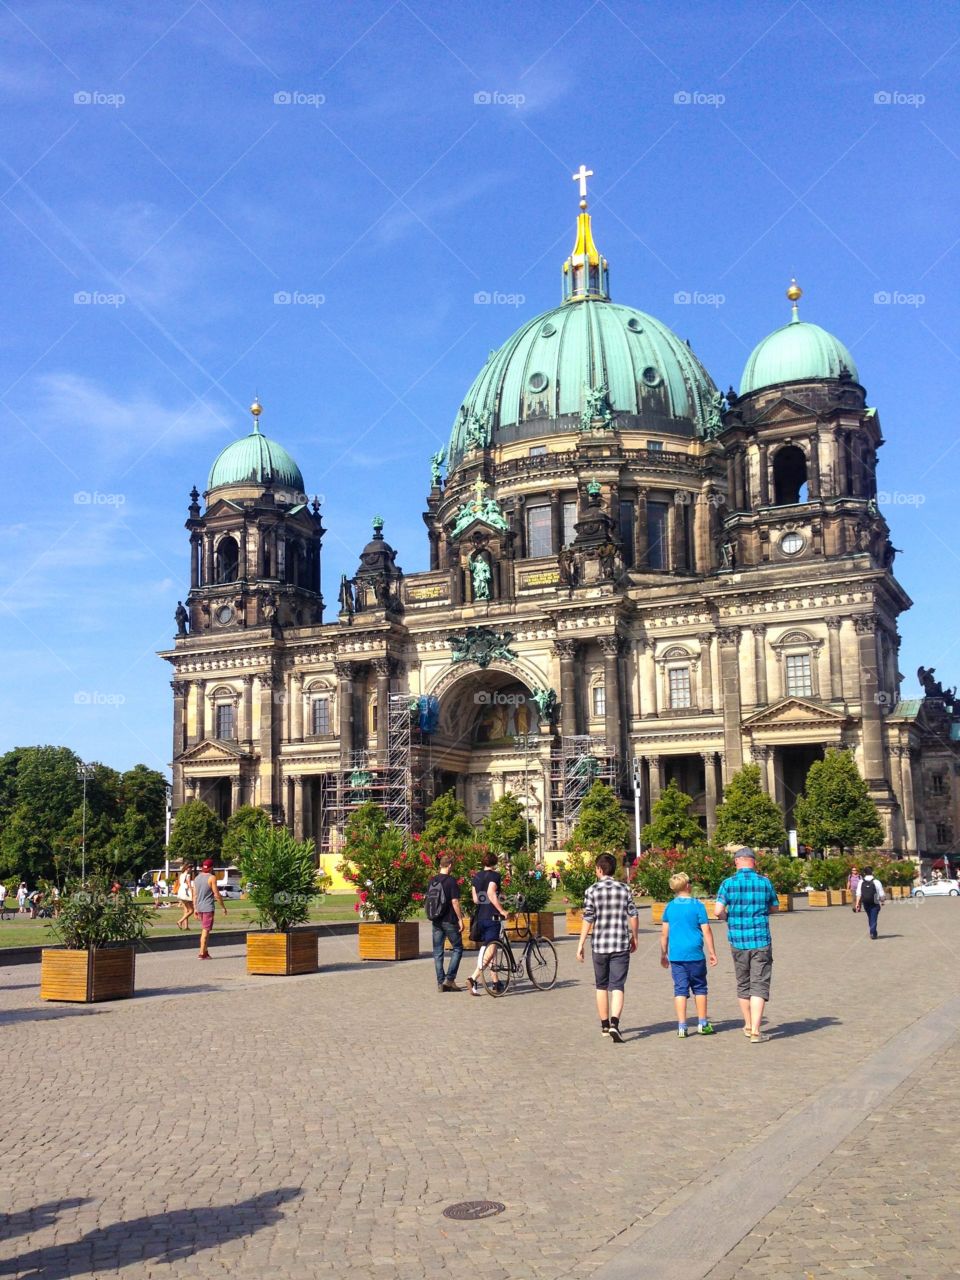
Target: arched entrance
[[491, 739]]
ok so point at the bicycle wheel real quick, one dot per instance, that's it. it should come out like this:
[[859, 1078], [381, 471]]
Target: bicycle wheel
[[541, 963], [521, 926], [497, 974]]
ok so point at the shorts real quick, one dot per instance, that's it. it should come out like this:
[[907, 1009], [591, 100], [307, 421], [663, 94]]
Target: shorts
[[489, 930], [206, 919], [689, 977], [610, 969], [754, 970]]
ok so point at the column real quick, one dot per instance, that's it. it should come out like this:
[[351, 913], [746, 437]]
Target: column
[[710, 791], [566, 651], [865, 625], [181, 691], [856, 466], [813, 469], [556, 528], [761, 756], [383, 668], [702, 557], [194, 561], [759, 633], [296, 706], [208, 574], [730, 696], [706, 672], [764, 474], [201, 710], [641, 529], [842, 479], [655, 778], [740, 479], [610, 648], [235, 793], [836, 666], [242, 561], [732, 480], [678, 534], [271, 684], [909, 801], [297, 781], [344, 672], [648, 678]]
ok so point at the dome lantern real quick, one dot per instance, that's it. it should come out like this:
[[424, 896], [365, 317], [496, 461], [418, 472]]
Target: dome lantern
[[796, 352], [255, 459], [585, 273]]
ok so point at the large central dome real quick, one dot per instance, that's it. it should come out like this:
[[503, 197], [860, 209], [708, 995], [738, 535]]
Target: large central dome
[[539, 381]]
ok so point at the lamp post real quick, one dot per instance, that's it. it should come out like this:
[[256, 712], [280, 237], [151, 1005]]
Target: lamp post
[[84, 772], [168, 816], [523, 740]]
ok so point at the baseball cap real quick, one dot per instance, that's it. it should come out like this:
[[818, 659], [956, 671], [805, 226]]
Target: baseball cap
[[207, 864], [742, 851]]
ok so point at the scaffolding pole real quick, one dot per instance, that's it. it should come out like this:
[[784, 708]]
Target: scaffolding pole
[[580, 761]]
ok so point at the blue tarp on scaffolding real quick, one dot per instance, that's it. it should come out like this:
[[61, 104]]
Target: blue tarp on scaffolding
[[429, 709]]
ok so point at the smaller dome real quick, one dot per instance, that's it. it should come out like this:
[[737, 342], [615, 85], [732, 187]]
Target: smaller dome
[[255, 459], [798, 352]]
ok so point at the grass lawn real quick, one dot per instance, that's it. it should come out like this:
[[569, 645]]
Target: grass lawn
[[20, 931]]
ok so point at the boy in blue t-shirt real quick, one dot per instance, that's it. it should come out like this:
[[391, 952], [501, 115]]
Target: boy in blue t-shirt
[[683, 935]]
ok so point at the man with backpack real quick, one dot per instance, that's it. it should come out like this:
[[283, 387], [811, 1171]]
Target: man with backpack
[[870, 897], [442, 907]]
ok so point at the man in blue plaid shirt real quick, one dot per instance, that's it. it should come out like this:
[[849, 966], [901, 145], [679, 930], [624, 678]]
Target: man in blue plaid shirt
[[610, 916], [745, 901]]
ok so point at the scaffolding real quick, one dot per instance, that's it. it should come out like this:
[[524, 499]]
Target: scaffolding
[[579, 762], [391, 786]]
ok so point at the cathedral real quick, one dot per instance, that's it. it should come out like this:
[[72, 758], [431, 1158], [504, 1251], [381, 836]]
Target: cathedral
[[633, 576]]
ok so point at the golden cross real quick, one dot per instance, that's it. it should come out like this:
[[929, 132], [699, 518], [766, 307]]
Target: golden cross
[[478, 489], [581, 176]]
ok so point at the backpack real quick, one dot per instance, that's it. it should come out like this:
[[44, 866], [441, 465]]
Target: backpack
[[868, 893], [436, 902]]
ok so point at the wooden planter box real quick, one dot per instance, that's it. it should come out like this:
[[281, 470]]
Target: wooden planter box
[[389, 941], [784, 901], [574, 920], [839, 897], [818, 898], [87, 976], [656, 912], [541, 924], [282, 953]]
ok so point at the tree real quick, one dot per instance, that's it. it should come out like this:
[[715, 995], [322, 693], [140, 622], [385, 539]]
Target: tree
[[836, 811], [672, 826], [505, 828], [197, 833], [43, 793], [601, 826], [748, 815], [248, 821], [447, 819]]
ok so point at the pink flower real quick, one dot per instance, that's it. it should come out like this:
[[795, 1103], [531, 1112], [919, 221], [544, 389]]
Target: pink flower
[[363, 896], [356, 906]]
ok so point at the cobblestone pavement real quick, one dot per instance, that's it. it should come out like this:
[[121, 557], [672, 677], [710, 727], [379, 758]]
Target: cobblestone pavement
[[317, 1126]]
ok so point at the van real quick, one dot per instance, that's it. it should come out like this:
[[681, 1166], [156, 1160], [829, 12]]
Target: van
[[228, 880]]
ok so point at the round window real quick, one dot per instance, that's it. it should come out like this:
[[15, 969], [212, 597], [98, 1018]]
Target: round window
[[538, 382], [225, 614], [791, 543], [548, 330], [634, 325], [650, 376]]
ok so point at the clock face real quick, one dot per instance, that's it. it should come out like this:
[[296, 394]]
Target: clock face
[[791, 543], [225, 614]]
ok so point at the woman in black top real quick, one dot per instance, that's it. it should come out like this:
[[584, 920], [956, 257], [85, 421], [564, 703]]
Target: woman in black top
[[485, 887]]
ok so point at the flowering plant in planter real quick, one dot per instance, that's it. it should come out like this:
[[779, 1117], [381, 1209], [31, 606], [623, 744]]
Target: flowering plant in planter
[[467, 858], [389, 873], [531, 883], [651, 875], [828, 873], [90, 916], [785, 874], [707, 867]]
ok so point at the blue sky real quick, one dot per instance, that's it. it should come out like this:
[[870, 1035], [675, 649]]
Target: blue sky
[[168, 170]]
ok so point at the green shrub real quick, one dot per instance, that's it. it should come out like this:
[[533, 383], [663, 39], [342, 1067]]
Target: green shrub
[[785, 874], [389, 873], [577, 873], [90, 916], [280, 874]]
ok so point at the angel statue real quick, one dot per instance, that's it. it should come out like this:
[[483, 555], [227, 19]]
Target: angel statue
[[436, 462]]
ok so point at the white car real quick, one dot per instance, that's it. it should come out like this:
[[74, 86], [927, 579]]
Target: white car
[[938, 889]]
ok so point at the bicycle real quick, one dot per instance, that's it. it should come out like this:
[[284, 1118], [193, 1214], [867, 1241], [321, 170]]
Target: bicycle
[[539, 958]]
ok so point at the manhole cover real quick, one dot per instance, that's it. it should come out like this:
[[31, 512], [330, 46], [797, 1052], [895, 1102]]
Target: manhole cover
[[470, 1210]]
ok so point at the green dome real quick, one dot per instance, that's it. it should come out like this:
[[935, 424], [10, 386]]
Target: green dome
[[254, 460], [536, 383], [799, 352]]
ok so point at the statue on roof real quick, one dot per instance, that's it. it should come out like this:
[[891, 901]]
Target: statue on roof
[[346, 594], [436, 462], [713, 427], [931, 688], [182, 618], [597, 411], [480, 573], [477, 434]]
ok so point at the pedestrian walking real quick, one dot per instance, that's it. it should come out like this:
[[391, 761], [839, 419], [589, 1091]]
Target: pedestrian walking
[[442, 906], [22, 894], [485, 888], [684, 934], [745, 901], [610, 921], [870, 898], [853, 884], [185, 895], [3, 896], [206, 895]]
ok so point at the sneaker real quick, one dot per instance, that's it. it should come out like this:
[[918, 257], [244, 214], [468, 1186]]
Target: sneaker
[[757, 1037], [449, 985], [475, 987], [747, 1032], [604, 1031], [616, 1035], [204, 955], [706, 1029], [441, 987], [681, 1033]]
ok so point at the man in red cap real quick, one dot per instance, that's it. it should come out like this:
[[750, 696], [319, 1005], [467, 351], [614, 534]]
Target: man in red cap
[[205, 897]]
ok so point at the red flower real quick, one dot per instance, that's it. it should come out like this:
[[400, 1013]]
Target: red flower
[[363, 896], [356, 906], [417, 897]]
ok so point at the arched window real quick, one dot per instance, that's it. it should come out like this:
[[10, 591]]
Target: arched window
[[228, 559], [789, 476], [295, 564]]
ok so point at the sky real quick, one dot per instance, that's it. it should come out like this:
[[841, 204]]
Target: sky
[[343, 207]]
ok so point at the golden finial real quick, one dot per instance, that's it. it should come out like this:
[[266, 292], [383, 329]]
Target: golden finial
[[583, 204], [256, 409], [794, 293]]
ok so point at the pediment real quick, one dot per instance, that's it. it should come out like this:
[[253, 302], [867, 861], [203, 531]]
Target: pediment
[[784, 410], [212, 751], [793, 712], [478, 522]]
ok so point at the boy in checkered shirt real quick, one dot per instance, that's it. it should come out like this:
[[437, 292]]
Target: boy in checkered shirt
[[610, 916]]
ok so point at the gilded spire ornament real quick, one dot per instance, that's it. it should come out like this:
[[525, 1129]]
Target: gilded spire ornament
[[794, 293]]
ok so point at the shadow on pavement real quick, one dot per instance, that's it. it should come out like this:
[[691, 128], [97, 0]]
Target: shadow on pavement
[[47, 1015], [167, 1237], [43, 1215], [801, 1026], [146, 992]]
